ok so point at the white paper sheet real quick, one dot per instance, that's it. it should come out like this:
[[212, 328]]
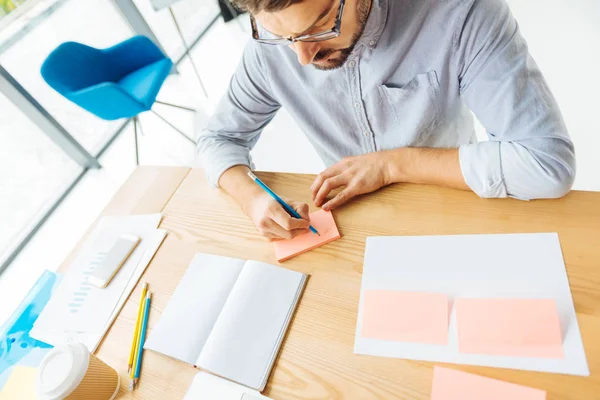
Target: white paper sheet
[[476, 266], [54, 335], [209, 387], [93, 341], [58, 324]]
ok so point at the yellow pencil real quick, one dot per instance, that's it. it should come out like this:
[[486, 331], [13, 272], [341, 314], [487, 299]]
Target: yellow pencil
[[136, 332]]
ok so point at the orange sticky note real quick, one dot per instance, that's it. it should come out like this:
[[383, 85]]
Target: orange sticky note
[[323, 222], [509, 327], [405, 316], [449, 384]]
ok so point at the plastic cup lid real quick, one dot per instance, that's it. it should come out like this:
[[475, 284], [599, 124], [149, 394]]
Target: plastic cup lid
[[62, 370]]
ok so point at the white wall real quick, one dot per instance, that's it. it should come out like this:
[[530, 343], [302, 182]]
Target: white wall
[[564, 39]]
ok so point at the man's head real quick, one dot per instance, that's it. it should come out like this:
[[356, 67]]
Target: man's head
[[293, 18]]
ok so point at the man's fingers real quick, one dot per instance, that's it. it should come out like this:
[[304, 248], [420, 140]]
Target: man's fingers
[[301, 208], [276, 231], [271, 229], [328, 185], [334, 170], [271, 237], [314, 188], [338, 200], [281, 217], [298, 232]]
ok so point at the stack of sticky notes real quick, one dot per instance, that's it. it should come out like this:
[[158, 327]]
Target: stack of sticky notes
[[509, 327], [405, 316], [449, 384], [323, 222], [504, 327], [20, 384]]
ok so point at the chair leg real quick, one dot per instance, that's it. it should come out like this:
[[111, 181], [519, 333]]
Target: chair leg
[[175, 105], [135, 135], [173, 126], [185, 47], [141, 128]]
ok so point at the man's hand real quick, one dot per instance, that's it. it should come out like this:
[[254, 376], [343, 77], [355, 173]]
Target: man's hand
[[360, 174], [357, 175], [369, 172], [272, 221]]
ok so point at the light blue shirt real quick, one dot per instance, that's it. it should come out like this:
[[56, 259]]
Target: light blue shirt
[[412, 79]]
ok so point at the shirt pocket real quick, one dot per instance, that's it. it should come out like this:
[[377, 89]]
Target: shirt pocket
[[411, 112]]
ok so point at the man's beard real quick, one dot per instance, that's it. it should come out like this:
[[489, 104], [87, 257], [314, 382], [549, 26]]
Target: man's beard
[[363, 8]]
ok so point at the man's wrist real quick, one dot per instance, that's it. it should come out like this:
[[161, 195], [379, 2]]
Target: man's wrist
[[250, 192], [236, 182], [395, 165]]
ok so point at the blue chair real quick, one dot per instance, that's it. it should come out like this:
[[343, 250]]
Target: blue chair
[[121, 81]]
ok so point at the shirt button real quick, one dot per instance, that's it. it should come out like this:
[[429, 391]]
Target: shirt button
[[372, 43], [356, 105], [351, 64], [366, 133]]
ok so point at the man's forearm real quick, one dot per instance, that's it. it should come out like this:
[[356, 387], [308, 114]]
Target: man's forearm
[[236, 182], [426, 166], [413, 165]]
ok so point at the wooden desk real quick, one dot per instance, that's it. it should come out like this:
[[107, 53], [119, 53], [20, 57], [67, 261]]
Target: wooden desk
[[316, 359]]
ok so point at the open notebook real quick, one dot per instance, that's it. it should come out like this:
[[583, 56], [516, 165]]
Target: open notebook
[[229, 317]]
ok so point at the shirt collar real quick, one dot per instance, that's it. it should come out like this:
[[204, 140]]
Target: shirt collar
[[375, 24]]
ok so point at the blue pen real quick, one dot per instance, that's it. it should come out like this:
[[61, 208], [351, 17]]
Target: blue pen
[[285, 205], [138, 364]]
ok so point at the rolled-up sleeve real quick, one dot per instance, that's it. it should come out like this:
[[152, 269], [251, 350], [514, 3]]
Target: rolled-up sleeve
[[529, 153], [240, 117]]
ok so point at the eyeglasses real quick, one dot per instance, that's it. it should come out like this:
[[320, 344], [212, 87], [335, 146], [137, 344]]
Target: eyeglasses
[[313, 37]]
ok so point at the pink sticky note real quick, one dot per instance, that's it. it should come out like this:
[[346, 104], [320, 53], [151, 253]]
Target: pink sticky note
[[405, 316], [449, 384], [323, 222], [509, 327]]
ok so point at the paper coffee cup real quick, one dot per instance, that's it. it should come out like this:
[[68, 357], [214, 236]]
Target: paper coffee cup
[[70, 372]]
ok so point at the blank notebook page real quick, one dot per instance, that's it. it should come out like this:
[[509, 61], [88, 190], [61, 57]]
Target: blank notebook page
[[246, 338], [188, 319]]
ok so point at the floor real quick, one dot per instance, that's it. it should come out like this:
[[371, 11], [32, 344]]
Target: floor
[[567, 55]]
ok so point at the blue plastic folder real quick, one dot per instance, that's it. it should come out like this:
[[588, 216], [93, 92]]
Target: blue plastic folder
[[16, 346]]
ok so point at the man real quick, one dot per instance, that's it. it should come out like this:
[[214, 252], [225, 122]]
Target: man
[[382, 89]]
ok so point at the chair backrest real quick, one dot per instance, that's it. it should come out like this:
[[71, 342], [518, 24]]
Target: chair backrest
[[90, 77], [73, 66], [132, 54]]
